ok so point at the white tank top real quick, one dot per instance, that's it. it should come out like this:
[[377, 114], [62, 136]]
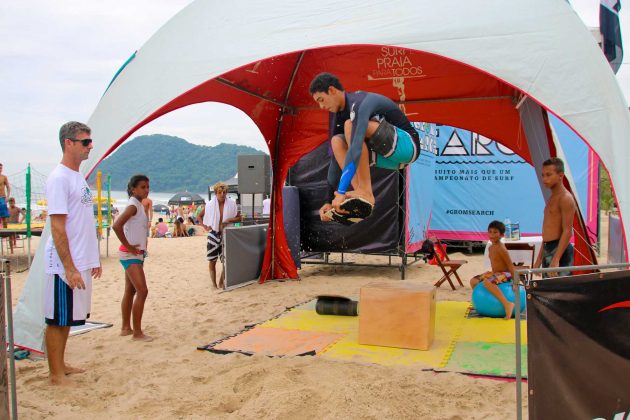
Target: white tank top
[[136, 229]]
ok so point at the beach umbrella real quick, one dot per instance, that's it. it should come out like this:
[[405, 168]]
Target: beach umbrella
[[185, 199], [161, 208]]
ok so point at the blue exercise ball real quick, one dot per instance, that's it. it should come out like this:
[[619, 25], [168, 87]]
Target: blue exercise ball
[[488, 305]]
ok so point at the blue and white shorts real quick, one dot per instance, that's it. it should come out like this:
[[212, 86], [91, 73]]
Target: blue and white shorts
[[66, 307], [4, 210]]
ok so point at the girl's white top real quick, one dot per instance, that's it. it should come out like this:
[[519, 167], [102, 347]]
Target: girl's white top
[[136, 229]]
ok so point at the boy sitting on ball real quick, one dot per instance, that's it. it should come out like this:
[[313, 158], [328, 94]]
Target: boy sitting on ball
[[502, 267]]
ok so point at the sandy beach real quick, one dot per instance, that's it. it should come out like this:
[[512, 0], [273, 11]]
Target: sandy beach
[[168, 378]]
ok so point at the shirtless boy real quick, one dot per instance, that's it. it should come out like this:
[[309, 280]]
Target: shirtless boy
[[16, 214], [502, 267], [557, 229], [5, 193]]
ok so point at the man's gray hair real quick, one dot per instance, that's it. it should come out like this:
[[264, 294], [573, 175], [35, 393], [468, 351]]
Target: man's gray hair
[[70, 130]]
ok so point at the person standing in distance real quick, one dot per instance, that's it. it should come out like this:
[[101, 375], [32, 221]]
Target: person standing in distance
[[5, 194], [219, 212], [72, 254]]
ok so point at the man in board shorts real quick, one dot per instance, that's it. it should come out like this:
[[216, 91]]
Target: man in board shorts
[[71, 257], [217, 214], [366, 129]]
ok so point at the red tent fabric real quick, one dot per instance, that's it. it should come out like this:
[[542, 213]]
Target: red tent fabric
[[429, 88]]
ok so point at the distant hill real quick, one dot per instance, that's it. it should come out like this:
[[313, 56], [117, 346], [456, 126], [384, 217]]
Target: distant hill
[[171, 163]]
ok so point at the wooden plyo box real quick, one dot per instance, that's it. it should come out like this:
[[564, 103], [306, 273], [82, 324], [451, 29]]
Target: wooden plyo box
[[397, 314]]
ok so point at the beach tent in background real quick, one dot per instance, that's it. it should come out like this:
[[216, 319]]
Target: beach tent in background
[[480, 66]]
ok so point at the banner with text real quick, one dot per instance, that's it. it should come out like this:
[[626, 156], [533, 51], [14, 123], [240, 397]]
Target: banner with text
[[579, 347], [478, 180]]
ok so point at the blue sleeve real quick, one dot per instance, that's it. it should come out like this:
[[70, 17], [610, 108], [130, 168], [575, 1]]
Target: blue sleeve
[[363, 111]]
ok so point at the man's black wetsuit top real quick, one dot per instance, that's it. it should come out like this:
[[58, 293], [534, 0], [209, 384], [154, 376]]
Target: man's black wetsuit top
[[361, 107]]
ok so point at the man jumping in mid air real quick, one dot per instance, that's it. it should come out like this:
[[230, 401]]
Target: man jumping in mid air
[[366, 129]]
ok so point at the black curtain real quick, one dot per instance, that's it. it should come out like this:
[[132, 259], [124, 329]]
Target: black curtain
[[379, 233], [579, 346]]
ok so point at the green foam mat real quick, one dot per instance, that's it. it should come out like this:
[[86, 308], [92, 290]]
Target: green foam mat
[[482, 358]]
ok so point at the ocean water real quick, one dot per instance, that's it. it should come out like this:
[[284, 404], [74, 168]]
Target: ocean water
[[157, 197], [120, 199]]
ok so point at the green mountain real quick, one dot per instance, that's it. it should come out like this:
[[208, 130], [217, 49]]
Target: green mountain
[[171, 163]]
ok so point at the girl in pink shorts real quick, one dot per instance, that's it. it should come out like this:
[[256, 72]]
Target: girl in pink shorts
[[131, 227]]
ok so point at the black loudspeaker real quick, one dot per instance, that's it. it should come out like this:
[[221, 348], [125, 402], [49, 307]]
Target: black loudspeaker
[[254, 174]]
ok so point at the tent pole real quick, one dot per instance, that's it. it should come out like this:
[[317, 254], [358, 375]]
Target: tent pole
[[402, 220], [249, 92], [28, 213], [275, 160], [109, 212]]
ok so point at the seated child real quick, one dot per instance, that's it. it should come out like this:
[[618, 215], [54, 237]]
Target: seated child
[[502, 267], [162, 228], [190, 226], [178, 229]]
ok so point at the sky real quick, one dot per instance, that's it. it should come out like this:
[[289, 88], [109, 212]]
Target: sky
[[57, 58]]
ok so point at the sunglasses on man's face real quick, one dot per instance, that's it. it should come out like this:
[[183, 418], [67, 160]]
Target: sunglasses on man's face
[[84, 142]]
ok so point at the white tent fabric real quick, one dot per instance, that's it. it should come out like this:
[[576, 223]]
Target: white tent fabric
[[28, 317], [539, 46]]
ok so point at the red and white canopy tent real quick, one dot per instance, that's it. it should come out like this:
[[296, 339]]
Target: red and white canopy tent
[[482, 66]]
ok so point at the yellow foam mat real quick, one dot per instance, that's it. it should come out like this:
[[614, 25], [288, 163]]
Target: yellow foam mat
[[305, 320], [492, 330], [448, 322], [336, 337], [348, 348]]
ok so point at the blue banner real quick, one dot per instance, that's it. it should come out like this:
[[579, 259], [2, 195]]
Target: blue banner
[[478, 180]]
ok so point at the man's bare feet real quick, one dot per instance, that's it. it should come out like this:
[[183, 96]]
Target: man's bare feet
[[126, 331], [508, 310], [142, 337], [361, 194], [62, 381], [69, 370]]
